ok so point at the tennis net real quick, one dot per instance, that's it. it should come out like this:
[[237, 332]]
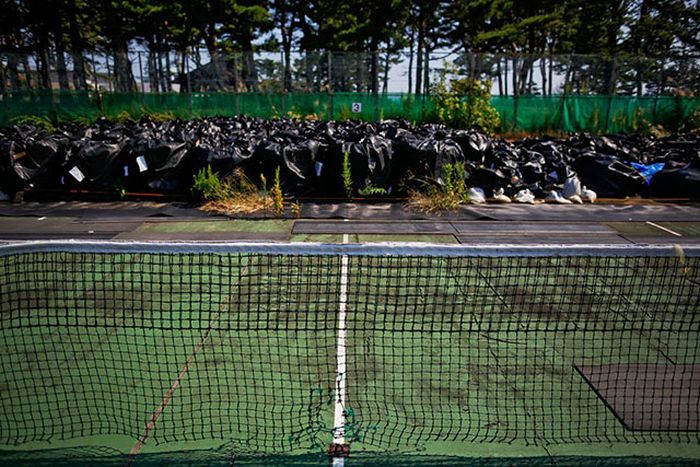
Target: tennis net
[[288, 348]]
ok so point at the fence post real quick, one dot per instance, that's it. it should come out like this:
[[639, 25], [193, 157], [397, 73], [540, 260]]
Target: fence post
[[330, 85]]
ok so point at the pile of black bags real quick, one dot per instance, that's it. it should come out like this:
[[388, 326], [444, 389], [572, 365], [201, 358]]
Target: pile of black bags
[[162, 157]]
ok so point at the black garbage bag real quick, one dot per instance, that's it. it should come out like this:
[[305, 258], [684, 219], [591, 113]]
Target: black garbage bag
[[169, 167], [446, 152], [299, 167], [488, 179], [609, 177], [34, 165], [677, 181], [474, 145], [379, 155], [93, 165]]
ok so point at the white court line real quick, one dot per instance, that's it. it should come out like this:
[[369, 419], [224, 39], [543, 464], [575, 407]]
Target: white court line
[[169, 394], [661, 227], [341, 370]]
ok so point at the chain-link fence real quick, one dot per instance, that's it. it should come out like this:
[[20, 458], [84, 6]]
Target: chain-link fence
[[531, 93], [313, 71]]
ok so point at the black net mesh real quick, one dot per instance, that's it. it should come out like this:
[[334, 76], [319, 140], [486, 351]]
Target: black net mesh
[[241, 347]]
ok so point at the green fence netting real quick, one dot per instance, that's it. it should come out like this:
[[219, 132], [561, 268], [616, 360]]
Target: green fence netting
[[568, 113]]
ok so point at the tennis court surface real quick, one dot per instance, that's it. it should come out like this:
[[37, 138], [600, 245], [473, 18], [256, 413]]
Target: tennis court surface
[[209, 354]]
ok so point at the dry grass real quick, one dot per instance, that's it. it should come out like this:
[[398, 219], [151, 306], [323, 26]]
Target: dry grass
[[434, 201], [238, 195], [239, 203]]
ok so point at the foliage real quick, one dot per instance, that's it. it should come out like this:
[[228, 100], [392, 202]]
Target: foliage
[[42, 123], [465, 103], [296, 209], [372, 190], [208, 186], [277, 199], [454, 178], [231, 195], [445, 196], [692, 124], [347, 175]]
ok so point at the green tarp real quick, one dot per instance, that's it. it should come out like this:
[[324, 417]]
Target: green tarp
[[572, 113]]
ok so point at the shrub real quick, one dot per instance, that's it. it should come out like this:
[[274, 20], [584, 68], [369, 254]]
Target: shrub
[[207, 185], [232, 195], [347, 175], [465, 103], [371, 190], [445, 196], [41, 123], [277, 199], [454, 178]]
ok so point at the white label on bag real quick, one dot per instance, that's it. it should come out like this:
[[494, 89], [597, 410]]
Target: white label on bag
[[141, 161], [77, 174], [319, 166], [126, 170]]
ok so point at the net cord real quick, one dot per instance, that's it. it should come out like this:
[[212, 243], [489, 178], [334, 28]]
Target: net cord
[[376, 249]]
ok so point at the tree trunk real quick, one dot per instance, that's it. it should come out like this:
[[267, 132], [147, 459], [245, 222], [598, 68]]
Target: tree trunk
[[3, 79], [410, 63], [76, 48], [152, 71], [79, 78], [44, 71], [166, 75], [124, 78], [543, 72], [287, 52], [287, 59], [419, 59], [12, 62], [500, 78], [27, 70], [385, 87], [61, 68], [374, 67], [215, 82], [312, 84], [161, 72], [426, 70]]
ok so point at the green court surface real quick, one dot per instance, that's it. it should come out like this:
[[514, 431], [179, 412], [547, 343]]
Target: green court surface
[[231, 225], [375, 238], [234, 356]]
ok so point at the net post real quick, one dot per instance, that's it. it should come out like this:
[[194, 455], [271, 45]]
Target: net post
[[337, 453]]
